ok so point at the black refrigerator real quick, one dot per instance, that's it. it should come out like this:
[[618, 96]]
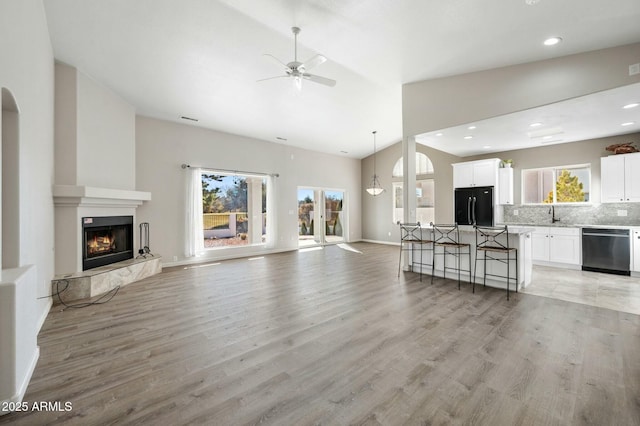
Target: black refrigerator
[[474, 206]]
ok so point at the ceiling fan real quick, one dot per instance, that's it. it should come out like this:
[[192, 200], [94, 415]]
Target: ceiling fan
[[298, 70]]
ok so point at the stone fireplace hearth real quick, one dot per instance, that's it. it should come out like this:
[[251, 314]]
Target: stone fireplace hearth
[[95, 241]]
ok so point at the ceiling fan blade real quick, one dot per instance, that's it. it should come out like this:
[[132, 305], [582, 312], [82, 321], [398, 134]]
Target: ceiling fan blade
[[272, 78], [314, 62], [318, 79], [278, 61]]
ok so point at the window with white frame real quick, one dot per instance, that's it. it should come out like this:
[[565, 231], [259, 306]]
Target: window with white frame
[[234, 209], [557, 185], [425, 190]]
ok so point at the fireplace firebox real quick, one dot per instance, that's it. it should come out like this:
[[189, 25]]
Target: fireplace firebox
[[106, 240]]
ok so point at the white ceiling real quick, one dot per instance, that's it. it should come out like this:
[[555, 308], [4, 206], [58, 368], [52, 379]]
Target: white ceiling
[[587, 117], [201, 58]]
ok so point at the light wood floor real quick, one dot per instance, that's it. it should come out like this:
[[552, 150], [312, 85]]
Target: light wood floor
[[333, 337]]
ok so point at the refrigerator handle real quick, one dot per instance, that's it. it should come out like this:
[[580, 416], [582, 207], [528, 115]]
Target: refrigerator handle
[[469, 210], [473, 211]]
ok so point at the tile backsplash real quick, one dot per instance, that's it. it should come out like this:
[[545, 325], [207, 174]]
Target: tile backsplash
[[602, 214]]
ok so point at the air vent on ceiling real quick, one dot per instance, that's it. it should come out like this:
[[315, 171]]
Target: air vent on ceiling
[[550, 131], [184, 117]]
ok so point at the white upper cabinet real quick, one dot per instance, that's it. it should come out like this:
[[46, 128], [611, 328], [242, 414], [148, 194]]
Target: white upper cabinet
[[620, 178], [476, 173], [505, 187]]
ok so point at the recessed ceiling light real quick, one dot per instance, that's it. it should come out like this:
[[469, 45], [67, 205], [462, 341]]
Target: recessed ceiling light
[[438, 134], [629, 106], [486, 146], [628, 123], [535, 124], [552, 41], [547, 137], [471, 127], [468, 137], [531, 2]]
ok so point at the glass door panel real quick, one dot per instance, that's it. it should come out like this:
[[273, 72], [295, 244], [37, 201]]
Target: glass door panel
[[307, 232], [334, 216], [318, 226]]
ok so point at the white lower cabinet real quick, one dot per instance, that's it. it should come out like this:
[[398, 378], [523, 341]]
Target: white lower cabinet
[[556, 245], [635, 235]]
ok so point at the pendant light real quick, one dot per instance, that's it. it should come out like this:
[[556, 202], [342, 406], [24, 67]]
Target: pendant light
[[374, 187]]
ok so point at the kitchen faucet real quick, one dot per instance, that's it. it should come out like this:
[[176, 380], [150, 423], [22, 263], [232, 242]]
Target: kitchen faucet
[[552, 212]]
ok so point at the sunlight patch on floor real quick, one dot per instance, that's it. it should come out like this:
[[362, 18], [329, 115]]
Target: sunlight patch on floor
[[347, 247]]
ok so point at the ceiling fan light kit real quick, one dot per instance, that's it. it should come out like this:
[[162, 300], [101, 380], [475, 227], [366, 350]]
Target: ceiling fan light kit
[[298, 70], [374, 187]]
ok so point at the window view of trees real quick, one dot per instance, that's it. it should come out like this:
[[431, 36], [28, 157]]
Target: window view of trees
[[569, 189], [305, 215], [225, 207], [564, 184]]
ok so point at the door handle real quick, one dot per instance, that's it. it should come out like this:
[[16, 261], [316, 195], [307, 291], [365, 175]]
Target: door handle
[[469, 211], [473, 211]]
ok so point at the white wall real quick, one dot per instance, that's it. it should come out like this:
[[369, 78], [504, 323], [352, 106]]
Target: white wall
[[26, 69], [95, 133], [161, 147], [377, 216], [445, 102]]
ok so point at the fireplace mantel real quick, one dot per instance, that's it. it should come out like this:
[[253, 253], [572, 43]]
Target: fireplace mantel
[[79, 196]]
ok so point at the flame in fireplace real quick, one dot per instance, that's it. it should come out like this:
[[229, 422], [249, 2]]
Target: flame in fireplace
[[100, 244]]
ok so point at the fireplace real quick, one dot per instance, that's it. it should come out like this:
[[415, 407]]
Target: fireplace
[[106, 240]]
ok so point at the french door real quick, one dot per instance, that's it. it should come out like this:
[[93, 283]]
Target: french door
[[321, 216]]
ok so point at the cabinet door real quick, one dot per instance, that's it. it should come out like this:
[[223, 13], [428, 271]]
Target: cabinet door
[[612, 178], [632, 177], [505, 186], [540, 244], [564, 247], [484, 173], [463, 175], [636, 250]]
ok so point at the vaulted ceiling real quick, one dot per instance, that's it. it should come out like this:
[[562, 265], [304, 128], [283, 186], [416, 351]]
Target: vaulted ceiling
[[202, 58]]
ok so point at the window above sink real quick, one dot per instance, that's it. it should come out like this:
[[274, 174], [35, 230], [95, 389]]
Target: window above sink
[[557, 185]]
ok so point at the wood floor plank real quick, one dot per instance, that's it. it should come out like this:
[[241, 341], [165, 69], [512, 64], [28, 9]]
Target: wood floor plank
[[332, 337]]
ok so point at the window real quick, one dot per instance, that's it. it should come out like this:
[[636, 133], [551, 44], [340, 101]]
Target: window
[[557, 185], [234, 209], [425, 190], [423, 166]]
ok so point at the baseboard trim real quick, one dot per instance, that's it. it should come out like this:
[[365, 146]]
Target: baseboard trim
[[44, 314], [389, 243], [22, 390]]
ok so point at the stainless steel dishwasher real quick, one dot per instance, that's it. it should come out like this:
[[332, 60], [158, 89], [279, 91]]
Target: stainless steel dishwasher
[[606, 250]]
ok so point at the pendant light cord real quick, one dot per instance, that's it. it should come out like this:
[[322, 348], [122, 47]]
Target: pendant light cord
[[374, 155]]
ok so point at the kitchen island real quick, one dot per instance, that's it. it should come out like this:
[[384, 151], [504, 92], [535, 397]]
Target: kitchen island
[[519, 238]]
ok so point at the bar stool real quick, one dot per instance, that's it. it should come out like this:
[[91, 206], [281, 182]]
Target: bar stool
[[410, 235], [448, 237], [493, 241]]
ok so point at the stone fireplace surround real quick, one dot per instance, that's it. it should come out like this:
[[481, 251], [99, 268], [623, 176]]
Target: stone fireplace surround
[[72, 203]]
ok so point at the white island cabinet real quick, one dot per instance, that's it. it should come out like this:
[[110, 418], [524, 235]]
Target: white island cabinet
[[518, 237]]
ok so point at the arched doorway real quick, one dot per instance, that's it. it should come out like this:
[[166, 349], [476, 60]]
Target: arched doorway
[[10, 200]]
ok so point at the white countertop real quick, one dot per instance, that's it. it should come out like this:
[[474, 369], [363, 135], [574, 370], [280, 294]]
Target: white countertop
[[575, 225]]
